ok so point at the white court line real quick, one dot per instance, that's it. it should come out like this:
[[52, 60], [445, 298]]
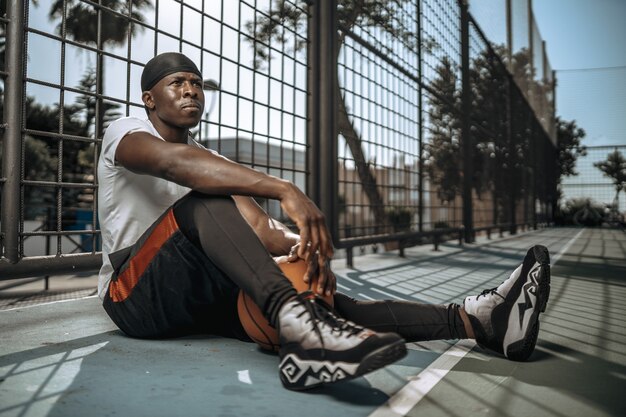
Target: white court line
[[367, 297], [48, 303], [556, 258], [412, 393], [404, 400]]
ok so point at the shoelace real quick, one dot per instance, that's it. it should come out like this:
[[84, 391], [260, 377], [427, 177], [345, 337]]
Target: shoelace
[[320, 314], [489, 291]]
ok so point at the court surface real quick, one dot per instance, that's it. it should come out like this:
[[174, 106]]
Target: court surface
[[67, 358]]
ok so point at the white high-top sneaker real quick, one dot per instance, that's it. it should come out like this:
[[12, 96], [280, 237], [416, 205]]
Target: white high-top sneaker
[[506, 318], [317, 347]]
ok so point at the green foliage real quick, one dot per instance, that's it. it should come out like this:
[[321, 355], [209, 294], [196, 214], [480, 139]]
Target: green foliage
[[81, 22], [285, 17], [441, 225], [499, 161], [40, 165], [81, 25], [580, 212], [41, 153], [400, 218], [614, 167], [569, 137], [443, 151], [270, 29], [86, 104]]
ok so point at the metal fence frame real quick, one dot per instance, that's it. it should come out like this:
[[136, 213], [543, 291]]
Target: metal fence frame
[[321, 144]]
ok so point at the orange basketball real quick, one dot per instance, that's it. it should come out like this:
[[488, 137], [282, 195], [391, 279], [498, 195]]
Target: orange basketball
[[253, 321]]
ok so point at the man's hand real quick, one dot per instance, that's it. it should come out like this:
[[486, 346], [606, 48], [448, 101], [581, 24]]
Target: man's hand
[[327, 282], [315, 241]]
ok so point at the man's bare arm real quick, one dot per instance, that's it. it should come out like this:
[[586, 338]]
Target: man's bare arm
[[213, 174], [274, 235], [195, 168]]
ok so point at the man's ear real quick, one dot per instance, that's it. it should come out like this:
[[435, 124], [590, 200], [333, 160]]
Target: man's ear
[[148, 100]]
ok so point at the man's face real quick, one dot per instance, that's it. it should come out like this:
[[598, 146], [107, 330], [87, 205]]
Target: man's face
[[177, 99]]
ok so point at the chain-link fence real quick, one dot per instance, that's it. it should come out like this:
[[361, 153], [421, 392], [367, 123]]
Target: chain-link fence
[[592, 182], [438, 126], [403, 121]]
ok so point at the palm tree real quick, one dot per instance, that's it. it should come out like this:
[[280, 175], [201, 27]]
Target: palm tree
[[614, 167], [82, 22]]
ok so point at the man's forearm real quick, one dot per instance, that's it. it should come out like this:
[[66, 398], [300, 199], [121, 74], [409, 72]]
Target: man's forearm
[[275, 236], [196, 168], [280, 239], [213, 174]]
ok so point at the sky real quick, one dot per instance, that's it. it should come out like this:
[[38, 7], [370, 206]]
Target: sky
[[586, 44]]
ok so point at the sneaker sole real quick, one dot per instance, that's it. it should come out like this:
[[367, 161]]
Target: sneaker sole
[[302, 374], [523, 348]]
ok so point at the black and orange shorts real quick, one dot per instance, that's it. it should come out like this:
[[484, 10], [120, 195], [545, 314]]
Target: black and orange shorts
[[165, 286]]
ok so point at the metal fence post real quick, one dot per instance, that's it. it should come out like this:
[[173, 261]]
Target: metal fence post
[[509, 116], [466, 134], [328, 111], [420, 118], [322, 110], [534, 138], [313, 116], [349, 249], [13, 116], [511, 168]]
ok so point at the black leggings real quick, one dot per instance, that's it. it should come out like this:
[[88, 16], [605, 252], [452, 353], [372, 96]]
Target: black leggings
[[215, 225]]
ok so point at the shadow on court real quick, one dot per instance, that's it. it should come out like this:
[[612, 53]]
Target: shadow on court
[[67, 359], [579, 366]]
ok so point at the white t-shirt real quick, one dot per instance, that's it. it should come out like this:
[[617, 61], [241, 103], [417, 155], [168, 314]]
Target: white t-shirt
[[128, 203]]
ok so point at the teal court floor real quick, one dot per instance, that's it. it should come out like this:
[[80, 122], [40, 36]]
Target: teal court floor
[[66, 358]]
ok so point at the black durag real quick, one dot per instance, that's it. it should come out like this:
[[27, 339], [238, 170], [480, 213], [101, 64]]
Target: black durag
[[165, 64]]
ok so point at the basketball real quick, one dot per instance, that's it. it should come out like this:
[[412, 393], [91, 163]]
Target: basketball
[[253, 321]]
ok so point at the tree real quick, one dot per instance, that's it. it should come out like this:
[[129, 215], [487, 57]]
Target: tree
[[488, 117], [40, 165], [350, 13], [86, 103], [3, 36], [443, 151], [107, 25], [492, 160], [503, 142], [614, 167], [569, 148], [41, 154], [489, 95], [81, 24]]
